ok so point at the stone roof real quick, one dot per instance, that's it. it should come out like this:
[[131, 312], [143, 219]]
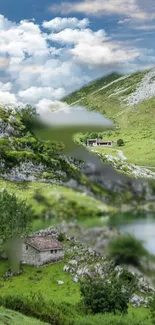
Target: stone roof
[[43, 243]]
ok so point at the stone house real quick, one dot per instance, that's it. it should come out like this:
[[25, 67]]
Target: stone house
[[99, 142], [37, 250], [40, 250]]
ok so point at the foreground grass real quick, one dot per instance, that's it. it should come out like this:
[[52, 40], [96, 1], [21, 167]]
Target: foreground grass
[[45, 282], [9, 317], [138, 316]]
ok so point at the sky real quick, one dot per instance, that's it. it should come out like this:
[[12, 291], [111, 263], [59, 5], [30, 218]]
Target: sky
[[51, 48]]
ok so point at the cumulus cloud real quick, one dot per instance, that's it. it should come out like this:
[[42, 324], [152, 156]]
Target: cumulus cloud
[[41, 67], [35, 94], [58, 23], [92, 47], [100, 7], [102, 55], [7, 98], [76, 36]]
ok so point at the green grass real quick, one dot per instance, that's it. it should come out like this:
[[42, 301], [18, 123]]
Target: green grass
[[9, 317], [136, 316], [53, 194], [44, 282], [107, 151], [135, 125]]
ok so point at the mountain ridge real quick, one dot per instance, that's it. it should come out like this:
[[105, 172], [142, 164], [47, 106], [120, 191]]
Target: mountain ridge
[[130, 102]]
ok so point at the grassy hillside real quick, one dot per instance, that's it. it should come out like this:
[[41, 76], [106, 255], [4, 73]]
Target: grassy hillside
[[53, 203], [123, 100], [9, 317]]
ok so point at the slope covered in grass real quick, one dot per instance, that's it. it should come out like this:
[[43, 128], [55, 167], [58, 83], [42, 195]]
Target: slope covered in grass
[[130, 102], [9, 317]]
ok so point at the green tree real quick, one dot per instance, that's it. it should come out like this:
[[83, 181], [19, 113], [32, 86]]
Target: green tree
[[105, 295], [93, 135], [120, 142], [15, 217], [27, 115]]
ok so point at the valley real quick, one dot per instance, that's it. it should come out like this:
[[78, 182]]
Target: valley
[[87, 207]]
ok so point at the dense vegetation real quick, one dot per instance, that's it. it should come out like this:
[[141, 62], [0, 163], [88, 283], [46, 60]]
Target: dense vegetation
[[106, 295]]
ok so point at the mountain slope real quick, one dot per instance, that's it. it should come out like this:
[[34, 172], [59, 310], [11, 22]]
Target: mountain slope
[[130, 102], [24, 158]]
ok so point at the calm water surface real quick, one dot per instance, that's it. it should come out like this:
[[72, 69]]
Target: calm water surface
[[144, 230]]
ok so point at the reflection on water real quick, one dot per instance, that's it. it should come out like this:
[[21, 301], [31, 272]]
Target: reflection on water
[[143, 229]]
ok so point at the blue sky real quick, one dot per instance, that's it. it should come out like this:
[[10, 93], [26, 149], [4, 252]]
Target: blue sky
[[48, 49]]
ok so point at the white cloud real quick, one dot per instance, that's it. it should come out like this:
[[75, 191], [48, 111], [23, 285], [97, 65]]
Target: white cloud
[[59, 23], [102, 54], [7, 98], [35, 94], [100, 7], [38, 72], [125, 20], [144, 27], [70, 36], [5, 86], [3, 62], [22, 39], [92, 47]]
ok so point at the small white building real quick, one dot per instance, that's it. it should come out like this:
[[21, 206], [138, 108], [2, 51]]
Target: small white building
[[40, 250], [99, 142]]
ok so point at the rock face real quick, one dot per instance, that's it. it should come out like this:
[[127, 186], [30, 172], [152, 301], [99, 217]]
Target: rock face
[[6, 130]]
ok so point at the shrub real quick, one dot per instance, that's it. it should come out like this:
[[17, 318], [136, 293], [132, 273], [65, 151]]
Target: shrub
[[104, 295], [61, 237], [120, 142], [36, 306], [127, 250]]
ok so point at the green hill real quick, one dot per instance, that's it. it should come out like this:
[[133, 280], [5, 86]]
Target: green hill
[[130, 102]]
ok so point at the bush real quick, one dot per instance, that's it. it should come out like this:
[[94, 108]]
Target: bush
[[105, 296], [61, 237], [127, 250], [36, 306], [120, 142]]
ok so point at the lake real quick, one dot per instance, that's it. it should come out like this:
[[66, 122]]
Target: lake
[[143, 229]]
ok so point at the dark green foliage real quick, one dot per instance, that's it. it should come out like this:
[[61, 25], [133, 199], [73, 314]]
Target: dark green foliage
[[93, 135], [104, 296], [61, 237], [120, 142], [27, 114], [127, 249], [15, 216], [36, 306]]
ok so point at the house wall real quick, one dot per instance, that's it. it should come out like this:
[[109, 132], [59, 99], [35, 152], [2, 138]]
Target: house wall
[[46, 257], [33, 257], [30, 256]]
